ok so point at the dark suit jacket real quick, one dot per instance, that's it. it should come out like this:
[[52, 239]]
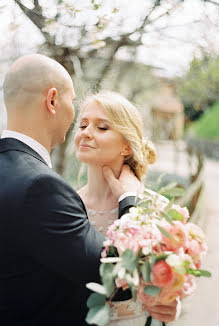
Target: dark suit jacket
[[48, 248]]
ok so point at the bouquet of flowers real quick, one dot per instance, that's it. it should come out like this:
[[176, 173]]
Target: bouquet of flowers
[[154, 252]]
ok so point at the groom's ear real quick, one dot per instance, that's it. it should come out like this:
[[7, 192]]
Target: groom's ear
[[51, 100]]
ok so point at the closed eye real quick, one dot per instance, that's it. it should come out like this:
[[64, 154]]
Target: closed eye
[[101, 128], [82, 127]]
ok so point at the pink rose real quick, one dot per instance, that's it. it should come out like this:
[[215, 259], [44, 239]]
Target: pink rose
[[162, 274]]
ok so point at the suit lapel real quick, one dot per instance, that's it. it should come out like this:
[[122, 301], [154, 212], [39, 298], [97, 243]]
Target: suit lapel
[[12, 144]]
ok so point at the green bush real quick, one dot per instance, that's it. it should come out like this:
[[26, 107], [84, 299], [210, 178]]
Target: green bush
[[208, 125]]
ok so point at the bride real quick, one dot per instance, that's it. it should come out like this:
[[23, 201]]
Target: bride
[[110, 133]]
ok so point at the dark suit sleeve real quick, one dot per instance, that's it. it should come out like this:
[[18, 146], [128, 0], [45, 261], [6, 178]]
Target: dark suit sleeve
[[127, 203], [56, 231]]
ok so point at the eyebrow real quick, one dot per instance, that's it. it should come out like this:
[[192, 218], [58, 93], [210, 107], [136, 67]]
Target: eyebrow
[[98, 119]]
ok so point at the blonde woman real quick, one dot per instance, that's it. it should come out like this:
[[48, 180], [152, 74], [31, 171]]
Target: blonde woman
[[110, 132]]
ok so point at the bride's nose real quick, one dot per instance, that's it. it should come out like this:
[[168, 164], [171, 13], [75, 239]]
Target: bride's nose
[[87, 132]]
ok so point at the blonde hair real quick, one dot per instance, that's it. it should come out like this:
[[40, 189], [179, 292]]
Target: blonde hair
[[125, 118]]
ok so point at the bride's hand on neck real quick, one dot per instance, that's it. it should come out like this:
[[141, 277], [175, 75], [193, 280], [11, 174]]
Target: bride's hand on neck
[[126, 182]]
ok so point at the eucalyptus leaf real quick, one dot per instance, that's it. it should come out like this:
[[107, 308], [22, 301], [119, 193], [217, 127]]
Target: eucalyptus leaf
[[95, 287], [129, 260], [106, 272], [98, 315], [163, 231], [96, 299], [151, 290], [145, 271], [134, 292]]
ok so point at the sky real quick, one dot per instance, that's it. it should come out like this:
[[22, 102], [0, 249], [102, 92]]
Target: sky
[[170, 46]]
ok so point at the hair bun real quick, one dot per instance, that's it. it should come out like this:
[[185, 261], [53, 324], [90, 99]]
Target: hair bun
[[149, 151]]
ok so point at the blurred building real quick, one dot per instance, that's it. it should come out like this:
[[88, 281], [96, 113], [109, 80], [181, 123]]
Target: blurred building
[[167, 114]]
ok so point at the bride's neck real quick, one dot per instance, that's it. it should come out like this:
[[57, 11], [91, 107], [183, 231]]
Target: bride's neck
[[98, 190]]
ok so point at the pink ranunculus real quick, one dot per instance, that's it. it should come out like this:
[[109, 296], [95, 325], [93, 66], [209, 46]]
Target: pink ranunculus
[[162, 274], [179, 236], [182, 210]]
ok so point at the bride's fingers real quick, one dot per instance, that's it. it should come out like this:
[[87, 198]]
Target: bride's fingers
[[162, 317]]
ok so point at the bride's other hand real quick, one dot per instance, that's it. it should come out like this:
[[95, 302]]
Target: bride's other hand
[[127, 181], [165, 313]]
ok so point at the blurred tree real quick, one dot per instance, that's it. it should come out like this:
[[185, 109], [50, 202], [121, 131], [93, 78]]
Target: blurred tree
[[77, 31], [199, 87]]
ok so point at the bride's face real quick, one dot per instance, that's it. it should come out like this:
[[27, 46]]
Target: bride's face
[[96, 141]]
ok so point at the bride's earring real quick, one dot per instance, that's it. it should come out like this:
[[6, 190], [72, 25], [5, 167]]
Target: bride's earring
[[122, 154]]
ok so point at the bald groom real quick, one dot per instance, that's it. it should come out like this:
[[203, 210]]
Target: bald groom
[[48, 248]]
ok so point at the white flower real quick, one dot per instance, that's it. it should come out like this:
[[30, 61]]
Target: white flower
[[176, 262], [111, 260], [133, 212], [132, 279]]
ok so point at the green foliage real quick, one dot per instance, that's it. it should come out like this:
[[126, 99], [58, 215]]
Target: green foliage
[[151, 290], [199, 87], [98, 315], [198, 272], [146, 270], [106, 273], [207, 125], [96, 299], [129, 260]]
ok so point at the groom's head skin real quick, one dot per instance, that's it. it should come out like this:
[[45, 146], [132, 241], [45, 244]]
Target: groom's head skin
[[39, 96]]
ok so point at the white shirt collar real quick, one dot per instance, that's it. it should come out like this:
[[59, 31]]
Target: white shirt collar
[[37, 147]]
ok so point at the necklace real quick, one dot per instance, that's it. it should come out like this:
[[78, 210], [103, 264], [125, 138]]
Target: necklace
[[102, 219], [92, 212]]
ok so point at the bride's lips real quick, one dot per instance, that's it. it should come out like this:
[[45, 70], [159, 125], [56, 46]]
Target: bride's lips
[[85, 146]]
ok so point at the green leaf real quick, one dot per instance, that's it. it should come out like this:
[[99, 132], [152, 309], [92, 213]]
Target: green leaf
[[169, 206], [167, 218], [151, 290], [99, 315], [163, 231], [106, 272], [145, 271], [164, 189], [129, 260], [175, 215], [198, 272], [96, 288], [160, 257], [96, 299], [175, 192], [134, 292]]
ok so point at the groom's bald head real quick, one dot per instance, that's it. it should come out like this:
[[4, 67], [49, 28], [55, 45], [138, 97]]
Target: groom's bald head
[[30, 76]]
